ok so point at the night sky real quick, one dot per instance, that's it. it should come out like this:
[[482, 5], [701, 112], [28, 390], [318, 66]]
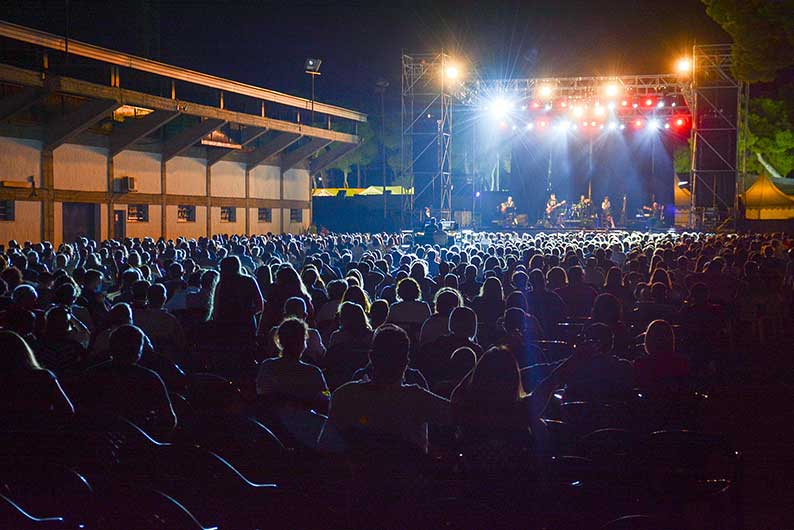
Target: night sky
[[265, 43]]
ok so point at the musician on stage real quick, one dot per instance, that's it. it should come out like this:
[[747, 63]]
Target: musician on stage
[[606, 213], [552, 210], [508, 211]]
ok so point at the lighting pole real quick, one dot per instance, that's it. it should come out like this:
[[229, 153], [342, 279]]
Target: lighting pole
[[312, 68], [380, 88]]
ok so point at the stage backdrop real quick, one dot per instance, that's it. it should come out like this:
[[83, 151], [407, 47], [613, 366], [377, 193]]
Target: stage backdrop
[[637, 164]]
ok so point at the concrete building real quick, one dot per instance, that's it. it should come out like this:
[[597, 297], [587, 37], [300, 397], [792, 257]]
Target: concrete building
[[83, 158]]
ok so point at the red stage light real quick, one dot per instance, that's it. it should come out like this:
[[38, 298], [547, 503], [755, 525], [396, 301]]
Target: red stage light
[[535, 105], [624, 103], [638, 123], [563, 104], [679, 122], [648, 102]]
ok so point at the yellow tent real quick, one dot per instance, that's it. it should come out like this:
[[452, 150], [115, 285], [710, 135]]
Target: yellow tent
[[769, 198], [683, 201]]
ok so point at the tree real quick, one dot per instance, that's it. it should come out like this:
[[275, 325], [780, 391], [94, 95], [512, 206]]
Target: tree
[[770, 140], [763, 35], [682, 159], [361, 156]]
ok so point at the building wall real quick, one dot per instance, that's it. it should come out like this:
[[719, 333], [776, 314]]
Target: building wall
[[228, 179], [140, 229], [296, 184], [263, 228], [21, 158], [80, 167], [224, 227], [145, 167], [186, 176], [189, 230], [26, 225], [85, 168], [264, 182]]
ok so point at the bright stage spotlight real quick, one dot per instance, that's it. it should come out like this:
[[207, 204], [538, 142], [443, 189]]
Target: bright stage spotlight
[[500, 107], [612, 125], [624, 103], [598, 111], [523, 107], [679, 122], [584, 124], [666, 125], [611, 105], [648, 102], [653, 124], [578, 111], [563, 104], [612, 90], [530, 126], [635, 105], [452, 72], [545, 91], [542, 124], [660, 104], [622, 127], [564, 125], [638, 123], [592, 124], [547, 106], [683, 65]]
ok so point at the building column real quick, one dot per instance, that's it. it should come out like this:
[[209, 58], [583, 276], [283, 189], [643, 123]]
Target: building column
[[281, 195], [109, 199], [247, 201], [48, 204], [163, 191], [209, 200]]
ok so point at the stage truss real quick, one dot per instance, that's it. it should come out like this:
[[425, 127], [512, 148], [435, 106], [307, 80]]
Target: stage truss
[[710, 94], [426, 122]]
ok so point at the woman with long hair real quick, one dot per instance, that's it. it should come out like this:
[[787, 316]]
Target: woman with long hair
[[237, 298], [354, 327]]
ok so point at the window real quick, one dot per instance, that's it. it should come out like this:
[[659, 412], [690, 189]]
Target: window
[[265, 215], [138, 213], [6, 210], [228, 214], [185, 213], [295, 215]]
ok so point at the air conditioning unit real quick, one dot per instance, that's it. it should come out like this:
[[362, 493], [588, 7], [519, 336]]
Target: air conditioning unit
[[126, 184]]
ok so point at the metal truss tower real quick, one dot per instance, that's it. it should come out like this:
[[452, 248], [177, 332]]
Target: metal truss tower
[[718, 101], [426, 134]]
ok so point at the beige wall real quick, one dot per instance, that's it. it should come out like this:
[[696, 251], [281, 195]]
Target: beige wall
[[219, 227], [141, 230], [188, 230], [186, 176], [80, 167], [295, 227], [296, 184], [265, 182], [26, 225], [145, 167], [228, 179], [20, 159], [264, 228]]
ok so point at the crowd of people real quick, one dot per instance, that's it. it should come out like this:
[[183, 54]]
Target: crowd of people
[[498, 349]]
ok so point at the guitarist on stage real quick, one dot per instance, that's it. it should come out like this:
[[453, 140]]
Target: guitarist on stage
[[552, 215]]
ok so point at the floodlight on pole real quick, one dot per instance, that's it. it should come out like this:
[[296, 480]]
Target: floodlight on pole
[[312, 68], [683, 66]]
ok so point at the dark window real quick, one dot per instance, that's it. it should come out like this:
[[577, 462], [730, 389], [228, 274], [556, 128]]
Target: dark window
[[265, 215], [228, 214], [138, 213], [186, 213], [295, 215], [6, 210]]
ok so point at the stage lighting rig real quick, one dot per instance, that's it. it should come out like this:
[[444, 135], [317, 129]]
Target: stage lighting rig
[[683, 66]]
